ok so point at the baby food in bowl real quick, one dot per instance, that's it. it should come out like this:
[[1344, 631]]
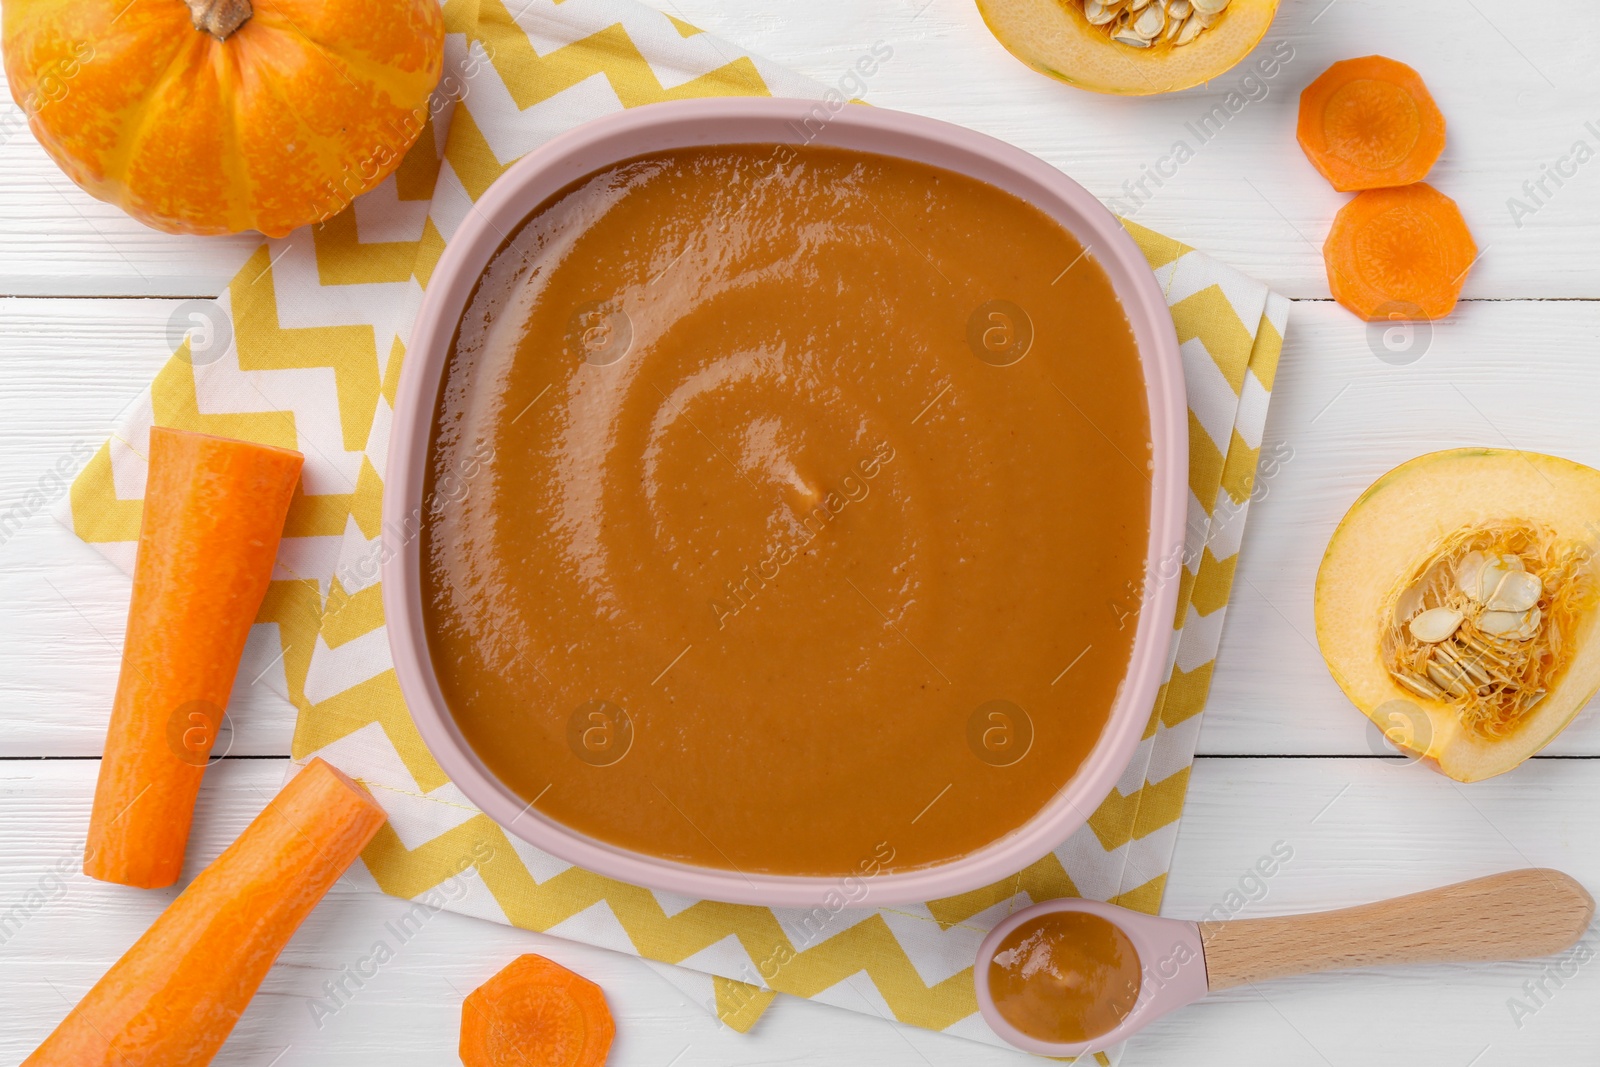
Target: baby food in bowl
[[785, 515]]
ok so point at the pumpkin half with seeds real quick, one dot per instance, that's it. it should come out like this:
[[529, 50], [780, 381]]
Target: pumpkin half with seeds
[[1129, 47], [1456, 605]]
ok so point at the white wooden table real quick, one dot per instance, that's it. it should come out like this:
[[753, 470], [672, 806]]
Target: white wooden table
[[85, 296]]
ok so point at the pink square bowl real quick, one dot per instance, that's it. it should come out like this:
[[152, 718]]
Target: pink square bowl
[[603, 142]]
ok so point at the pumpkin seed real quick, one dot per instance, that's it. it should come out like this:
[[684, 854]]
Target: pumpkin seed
[[1099, 14], [1519, 626], [1420, 687], [1517, 591], [1476, 672], [1499, 623], [1435, 625], [1142, 23], [1482, 650], [1447, 678], [1454, 655], [1469, 573], [1151, 21], [1489, 579], [1409, 604]]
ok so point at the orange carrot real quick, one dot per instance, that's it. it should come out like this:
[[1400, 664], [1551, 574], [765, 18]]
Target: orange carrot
[[535, 1011], [213, 515], [173, 998], [1370, 123], [1399, 253]]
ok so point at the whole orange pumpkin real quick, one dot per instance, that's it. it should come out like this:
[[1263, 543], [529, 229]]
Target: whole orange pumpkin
[[215, 116]]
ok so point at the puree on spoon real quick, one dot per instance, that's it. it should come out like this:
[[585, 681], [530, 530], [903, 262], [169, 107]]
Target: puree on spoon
[[787, 510], [1065, 977]]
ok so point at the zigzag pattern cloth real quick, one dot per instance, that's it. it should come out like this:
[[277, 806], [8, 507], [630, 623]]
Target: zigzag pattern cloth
[[304, 351]]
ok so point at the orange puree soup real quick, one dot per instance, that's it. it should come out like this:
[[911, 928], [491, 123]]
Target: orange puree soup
[[787, 510], [1065, 977]]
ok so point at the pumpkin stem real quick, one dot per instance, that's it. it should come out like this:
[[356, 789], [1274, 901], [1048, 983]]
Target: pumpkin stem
[[219, 18]]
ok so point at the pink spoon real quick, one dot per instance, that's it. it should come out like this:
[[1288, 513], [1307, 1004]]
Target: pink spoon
[[1515, 915]]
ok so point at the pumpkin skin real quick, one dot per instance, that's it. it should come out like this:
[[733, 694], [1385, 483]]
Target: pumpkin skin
[[281, 122]]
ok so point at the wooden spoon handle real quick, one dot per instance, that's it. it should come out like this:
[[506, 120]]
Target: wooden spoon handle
[[1514, 915]]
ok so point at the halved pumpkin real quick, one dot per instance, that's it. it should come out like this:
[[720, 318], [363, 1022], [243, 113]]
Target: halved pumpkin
[[1055, 37], [1456, 605]]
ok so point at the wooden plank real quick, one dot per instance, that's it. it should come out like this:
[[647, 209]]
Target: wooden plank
[[1363, 830], [1517, 98], [1521, 375], [1360, 829], [71, 367], [1248, 195], [55, 239], [1355, 830], [408, 1012]]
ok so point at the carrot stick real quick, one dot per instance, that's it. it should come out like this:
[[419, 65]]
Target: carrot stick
[[535, 1010], [1399, 254], [173, 998], [1370, 123], [213, 515]]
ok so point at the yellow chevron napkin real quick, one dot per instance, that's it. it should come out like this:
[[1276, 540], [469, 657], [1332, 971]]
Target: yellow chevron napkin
[[304, 350]]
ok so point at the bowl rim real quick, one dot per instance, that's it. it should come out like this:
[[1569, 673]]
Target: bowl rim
[[766, 120]]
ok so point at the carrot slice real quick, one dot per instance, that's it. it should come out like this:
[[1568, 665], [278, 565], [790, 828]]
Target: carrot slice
[[1370, 123], [1399, 253], [213, 514], [173, 998], [535, 1012]]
